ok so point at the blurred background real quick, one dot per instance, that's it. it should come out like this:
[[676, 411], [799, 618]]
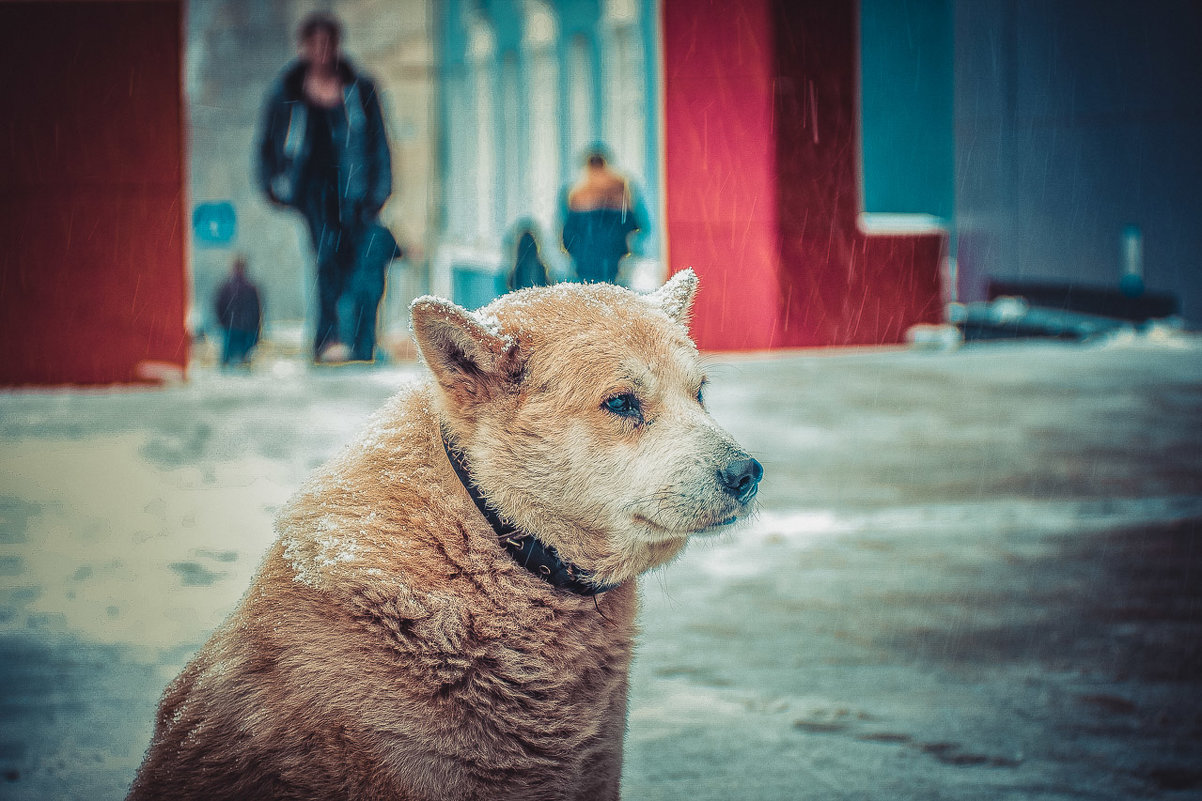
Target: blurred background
[[842, 170]]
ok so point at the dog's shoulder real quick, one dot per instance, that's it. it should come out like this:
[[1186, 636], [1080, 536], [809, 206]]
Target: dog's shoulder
[[371, 510]]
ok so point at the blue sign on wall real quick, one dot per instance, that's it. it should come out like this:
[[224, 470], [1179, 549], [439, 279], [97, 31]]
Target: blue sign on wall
[[214, 224]]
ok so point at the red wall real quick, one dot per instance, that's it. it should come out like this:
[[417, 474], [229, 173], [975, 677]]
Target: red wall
[[720, 167], [92, 217], [762, 181]]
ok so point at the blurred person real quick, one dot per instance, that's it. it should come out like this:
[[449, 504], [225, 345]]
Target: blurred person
[[239, 312], [528, 268], [324, 152], [599, 218]]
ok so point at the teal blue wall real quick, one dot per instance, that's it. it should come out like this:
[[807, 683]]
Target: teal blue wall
[[907, 90]]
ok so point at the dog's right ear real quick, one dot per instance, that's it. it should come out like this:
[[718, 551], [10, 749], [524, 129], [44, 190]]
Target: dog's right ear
[[467, 357], [676, 296]]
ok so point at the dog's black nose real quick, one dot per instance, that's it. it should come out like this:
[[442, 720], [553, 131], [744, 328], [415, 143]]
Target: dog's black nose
[[741, 478]]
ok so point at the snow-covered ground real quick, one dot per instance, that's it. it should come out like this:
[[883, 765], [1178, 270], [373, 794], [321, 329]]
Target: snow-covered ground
[[975, 573]]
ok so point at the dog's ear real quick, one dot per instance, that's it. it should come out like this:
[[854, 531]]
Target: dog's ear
[[468, 358], [676, 296]]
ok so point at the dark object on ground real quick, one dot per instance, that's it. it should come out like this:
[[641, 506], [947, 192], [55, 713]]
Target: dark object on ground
[[1014, 318], [1100, 301], [1045, 310]]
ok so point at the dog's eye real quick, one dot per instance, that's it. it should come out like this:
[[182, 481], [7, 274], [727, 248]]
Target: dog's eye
[[701, 392], [626, 405]]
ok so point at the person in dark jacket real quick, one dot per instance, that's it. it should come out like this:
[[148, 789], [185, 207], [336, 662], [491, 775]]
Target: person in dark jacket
[[528, 267], [239, 312], [598, 220], [323, 151]]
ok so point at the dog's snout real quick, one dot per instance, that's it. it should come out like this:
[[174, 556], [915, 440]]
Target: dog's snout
[[741, 478]]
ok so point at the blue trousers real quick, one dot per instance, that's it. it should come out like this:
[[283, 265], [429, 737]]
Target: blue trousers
[[350, 276], [237, 347]]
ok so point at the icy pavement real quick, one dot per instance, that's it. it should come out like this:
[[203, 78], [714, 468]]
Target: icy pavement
[[975, 575]]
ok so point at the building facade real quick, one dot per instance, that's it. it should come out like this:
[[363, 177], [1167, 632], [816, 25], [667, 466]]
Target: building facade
[[525, 87]]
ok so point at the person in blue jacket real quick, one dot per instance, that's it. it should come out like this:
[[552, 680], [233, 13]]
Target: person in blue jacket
[[323, 151], [599, 217], [239, 311], [528, 268]]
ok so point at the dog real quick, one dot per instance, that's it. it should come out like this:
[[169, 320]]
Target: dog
[[449, 608]]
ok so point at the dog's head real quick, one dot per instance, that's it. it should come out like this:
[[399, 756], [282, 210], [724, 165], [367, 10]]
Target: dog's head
[[580, 409]]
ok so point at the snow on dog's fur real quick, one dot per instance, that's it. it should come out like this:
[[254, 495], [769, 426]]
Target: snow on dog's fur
[[389, 646]]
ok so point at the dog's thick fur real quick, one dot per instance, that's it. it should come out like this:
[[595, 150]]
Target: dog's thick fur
[[389, 648]]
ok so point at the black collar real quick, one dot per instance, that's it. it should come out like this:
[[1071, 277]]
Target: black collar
[[527, 551]]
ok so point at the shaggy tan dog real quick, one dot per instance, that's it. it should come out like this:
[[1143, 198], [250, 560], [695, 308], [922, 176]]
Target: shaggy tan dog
[[449, 608]]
